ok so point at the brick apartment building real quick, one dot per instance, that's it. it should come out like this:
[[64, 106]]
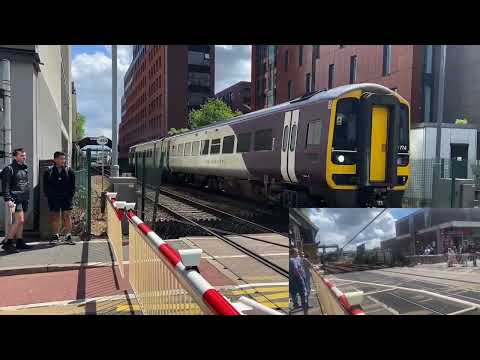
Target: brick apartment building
[[237, 96], [283, 72], [162, 85]]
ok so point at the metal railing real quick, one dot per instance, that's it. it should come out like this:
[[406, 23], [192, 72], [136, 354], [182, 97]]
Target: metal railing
[[332, 301], [115, 215], [83, 194]]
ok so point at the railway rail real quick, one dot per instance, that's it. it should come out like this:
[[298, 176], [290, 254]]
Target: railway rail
[[191, 212]]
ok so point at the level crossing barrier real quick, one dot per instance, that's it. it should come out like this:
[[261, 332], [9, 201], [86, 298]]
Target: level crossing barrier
[[115, 215], [332, 300], [164, 280]]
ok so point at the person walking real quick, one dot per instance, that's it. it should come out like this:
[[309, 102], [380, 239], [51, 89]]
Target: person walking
[[59, 188], [16, 193], [297, 279], [308, 276]]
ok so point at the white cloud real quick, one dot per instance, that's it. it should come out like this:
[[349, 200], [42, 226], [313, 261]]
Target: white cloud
[[232, 64], [92, 73]]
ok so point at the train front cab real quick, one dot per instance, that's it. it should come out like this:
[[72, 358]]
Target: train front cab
[[367, 160]]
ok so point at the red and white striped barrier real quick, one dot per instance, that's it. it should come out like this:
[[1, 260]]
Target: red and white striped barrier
[[119, 206], [212, 298], [342, 298]]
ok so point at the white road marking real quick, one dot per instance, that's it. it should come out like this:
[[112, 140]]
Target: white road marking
[[240, 256]]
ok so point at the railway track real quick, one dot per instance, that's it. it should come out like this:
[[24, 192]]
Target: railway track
[[344, 268], [190, 212]]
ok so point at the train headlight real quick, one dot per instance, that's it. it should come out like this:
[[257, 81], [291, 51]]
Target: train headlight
[[341, 158]]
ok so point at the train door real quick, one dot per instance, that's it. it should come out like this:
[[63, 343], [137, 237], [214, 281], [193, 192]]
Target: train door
[[378, 147], [289, 145]]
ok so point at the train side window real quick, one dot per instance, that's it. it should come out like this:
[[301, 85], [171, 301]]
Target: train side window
[[244, 142], [263, 140], [293, 137], [215, 147], [313, 132], [228, 142], [195, 147], [173, 151], [180, 150], [204, 148], [285, 138], [188, 149]]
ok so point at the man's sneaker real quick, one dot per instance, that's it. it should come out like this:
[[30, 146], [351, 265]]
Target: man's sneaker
[[54, 239], [69, 240], [9, 248], [22, 245]]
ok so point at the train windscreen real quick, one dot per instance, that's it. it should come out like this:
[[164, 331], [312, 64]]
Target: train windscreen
[[345, 132]]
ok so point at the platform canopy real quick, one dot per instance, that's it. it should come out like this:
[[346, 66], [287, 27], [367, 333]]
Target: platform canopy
[[92, 140]]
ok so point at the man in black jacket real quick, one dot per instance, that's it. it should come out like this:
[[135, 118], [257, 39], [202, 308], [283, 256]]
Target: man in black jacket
[[59, 188], [16, 193]]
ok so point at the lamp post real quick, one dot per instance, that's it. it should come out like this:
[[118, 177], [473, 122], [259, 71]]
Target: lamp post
[[114, 168]]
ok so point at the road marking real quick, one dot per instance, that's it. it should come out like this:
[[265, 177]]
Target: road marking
[[388, 308], [260, 289], [128, 308], [281, 295]]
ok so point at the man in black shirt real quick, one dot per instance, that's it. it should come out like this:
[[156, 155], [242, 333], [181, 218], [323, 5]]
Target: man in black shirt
[[16, 193], [59, 188]]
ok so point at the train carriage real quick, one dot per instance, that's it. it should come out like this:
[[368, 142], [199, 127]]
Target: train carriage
[[345, 147]]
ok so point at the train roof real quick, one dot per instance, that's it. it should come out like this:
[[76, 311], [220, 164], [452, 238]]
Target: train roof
[[319, 96]]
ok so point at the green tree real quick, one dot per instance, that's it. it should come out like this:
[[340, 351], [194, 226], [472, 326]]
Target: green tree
[[79, 127], [174, 131], [212, 111], [463, 121]]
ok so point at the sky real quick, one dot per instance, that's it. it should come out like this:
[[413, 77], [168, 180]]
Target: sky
[[337, 226], [92, 73]]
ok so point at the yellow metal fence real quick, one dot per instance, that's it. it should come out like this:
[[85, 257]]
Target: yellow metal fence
[[156, 286], [329, 304]]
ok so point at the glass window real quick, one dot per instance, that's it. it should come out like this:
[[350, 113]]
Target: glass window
[[313, 132], [293, 137], [188, 149], [204, 147], [353, 69], [331, 74], [387, 59], [243, 142], [286, 61], [263, 140], [427, 102], [195, 147], [228, 142], [345, 131], [428, 59], [215, 147], [172, 151], [285, 138], [316, 51], [289, 89], [403, 140], [307, 83], [180, 149], [300, 55]]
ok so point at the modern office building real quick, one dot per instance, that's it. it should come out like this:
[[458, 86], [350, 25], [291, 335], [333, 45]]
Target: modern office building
[[162, 85], [438, 228], [237, 96], [283, 72], [41, 108]]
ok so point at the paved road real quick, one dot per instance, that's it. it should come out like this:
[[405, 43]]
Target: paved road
[[421, 290]]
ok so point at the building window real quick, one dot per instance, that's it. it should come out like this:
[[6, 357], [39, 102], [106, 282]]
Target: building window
[[307, 84], [244, 142], [316, 51], [263, 140], [387, 59], [341, 46], [286, 61], [331, 74], [353, 69], [427, 103], [428, 63], [300, 55], [228, 142], [289, 90]]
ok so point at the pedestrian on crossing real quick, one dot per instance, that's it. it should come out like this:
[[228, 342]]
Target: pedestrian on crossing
[[16, 193], [59, 188], [297, 280], [308, 275]]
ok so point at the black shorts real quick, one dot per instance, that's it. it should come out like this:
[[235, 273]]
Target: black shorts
[[21, 206], [55, 205]]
